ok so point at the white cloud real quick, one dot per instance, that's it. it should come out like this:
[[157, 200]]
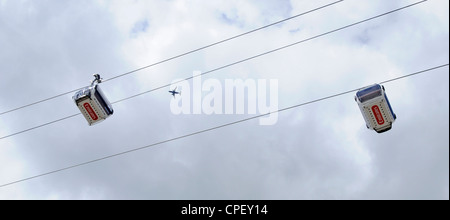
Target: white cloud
[[318, 151]]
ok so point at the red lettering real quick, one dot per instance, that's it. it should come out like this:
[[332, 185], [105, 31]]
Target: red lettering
[[90, 111], [377, 113]]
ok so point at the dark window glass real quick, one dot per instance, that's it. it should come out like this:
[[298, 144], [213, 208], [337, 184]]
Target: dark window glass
[[369, 93]]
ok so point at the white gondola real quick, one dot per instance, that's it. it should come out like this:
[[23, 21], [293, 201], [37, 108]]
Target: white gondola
[[92, 103], [375, 108]]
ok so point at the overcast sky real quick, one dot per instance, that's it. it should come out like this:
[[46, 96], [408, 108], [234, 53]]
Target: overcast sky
[[318, 151]]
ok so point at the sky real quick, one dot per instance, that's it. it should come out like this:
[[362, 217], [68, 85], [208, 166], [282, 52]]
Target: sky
[[318, 151]]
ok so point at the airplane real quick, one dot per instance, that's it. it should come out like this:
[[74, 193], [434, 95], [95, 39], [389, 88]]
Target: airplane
[[174, 92]]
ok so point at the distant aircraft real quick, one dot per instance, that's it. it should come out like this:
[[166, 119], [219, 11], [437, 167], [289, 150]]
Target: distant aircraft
[[174, 92]]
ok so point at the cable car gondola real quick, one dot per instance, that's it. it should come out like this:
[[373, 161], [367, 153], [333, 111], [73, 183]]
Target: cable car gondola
[[92, 103], [375, 108]]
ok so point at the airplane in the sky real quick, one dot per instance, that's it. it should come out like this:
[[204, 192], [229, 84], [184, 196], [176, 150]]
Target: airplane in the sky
[[174, 92]]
